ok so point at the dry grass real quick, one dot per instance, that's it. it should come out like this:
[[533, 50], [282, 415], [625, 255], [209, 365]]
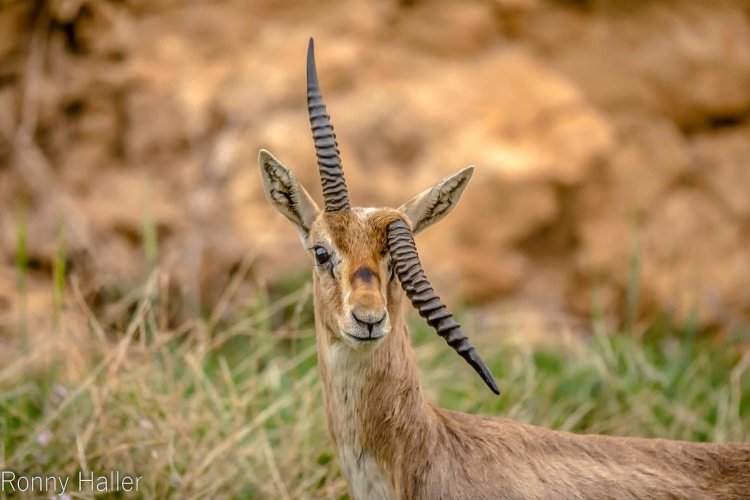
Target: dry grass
[[228, 404]]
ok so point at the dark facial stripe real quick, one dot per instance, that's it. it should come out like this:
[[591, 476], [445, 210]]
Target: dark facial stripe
[[364, 273]]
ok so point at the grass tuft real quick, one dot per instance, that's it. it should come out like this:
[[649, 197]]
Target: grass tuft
[[231, 407]]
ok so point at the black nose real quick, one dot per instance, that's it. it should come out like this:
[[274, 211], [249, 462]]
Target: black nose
[[368, 321]]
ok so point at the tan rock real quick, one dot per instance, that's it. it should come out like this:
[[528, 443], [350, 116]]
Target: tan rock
[[610, 208], [597, 134], [443, 28], [723, 160], [694, 259], [523, 119], [14, 22], [689, 61]]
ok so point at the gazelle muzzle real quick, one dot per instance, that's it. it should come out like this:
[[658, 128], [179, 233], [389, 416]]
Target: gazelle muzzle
[[424, 299]]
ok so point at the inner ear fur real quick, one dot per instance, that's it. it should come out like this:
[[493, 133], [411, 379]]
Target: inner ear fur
[[431, 205], [286, 194]]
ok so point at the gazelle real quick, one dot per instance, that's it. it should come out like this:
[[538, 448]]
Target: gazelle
[[390, 442]]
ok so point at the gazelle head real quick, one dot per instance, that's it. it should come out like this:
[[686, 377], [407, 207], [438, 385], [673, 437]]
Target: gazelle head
[[363, 256]]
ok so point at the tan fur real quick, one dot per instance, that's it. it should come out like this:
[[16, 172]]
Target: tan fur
[[391, 443]]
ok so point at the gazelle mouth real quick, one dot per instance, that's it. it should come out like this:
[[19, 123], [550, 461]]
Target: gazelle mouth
[[372, 338]]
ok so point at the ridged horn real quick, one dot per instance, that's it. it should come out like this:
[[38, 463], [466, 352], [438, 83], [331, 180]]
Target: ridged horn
[[335, 193], [424, 299]]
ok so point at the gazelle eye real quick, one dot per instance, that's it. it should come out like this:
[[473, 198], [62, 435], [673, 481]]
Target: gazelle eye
[[321, 255]]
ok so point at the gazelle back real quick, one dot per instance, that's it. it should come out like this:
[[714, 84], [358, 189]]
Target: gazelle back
[[390, 442]]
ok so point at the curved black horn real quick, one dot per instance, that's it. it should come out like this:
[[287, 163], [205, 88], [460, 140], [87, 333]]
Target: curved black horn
[[425, 300], [326, 148]]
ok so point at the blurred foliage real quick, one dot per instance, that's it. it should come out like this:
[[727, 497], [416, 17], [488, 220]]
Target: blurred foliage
[[236, 410]]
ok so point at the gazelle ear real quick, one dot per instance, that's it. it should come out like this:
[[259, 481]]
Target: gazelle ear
[[286, 194], [433, 204]]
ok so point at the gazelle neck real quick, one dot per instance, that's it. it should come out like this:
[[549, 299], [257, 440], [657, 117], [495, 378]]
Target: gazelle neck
[[377, 415]]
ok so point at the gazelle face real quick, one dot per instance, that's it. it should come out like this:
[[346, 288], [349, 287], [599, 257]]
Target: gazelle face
[[351, 275], [356, 292], [356, 295], [355, 289]]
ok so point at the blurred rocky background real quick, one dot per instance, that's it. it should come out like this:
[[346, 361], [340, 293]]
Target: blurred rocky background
[[611, 139]]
